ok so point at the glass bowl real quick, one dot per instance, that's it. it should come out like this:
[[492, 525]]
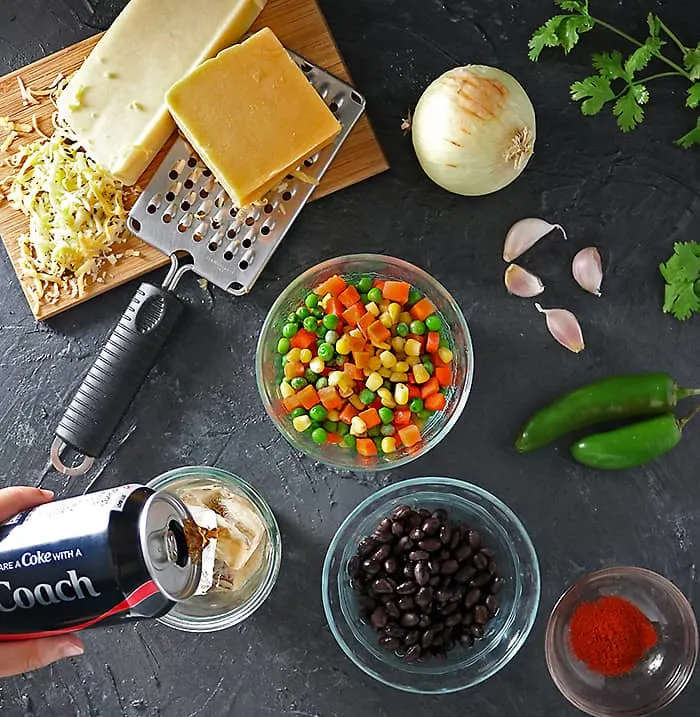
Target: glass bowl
[[663, 672], [515, 555], [218, 611], [268, 369]]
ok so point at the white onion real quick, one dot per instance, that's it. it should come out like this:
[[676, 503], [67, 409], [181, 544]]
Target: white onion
[[474, 130]]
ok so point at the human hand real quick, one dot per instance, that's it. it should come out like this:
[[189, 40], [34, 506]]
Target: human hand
[[28, 655]]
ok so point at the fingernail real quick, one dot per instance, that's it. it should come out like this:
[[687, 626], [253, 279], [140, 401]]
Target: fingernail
[[47, 493], [72, 648]]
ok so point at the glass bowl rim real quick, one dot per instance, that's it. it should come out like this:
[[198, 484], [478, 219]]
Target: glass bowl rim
[[464, 389], [427, 481]]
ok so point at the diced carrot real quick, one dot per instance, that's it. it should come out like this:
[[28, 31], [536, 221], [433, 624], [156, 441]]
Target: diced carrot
[[422, 309], [335, 307], [437, 361], [333, 286], [436, 402], [303, 339], [366, 447], [364, 323], [402, 417], [349, 369], [308, 397], [330, 398], [429, 388], [396, 291], [419, 339], [361, 358], [357, 343], [444, 375], [432, 343], [333, 438], [348, 413], [370, 417], [354, 314], [379, 284], [378, 333], [411, 378], [293, 369], [410, 435], [349, 297], [291, 402], [413, 391]]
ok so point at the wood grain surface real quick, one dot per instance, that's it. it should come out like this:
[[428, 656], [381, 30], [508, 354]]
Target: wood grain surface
[[301, 27]]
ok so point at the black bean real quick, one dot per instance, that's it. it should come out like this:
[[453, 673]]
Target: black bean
[[408, 571], [458, 591], [404, 545], [465, 574], [474, 538], [384, 598], [383, 537], [424, 514], [435, 580], [446, 534], [443, 594], [476, 631], [480, 561], [456, 537], [424, 597], [496, 585], [395, 631], [422, 573], [434, 566], [472, 597], [449, 567], [382, 554], [397, 529], [417, 555], [492, 604], [413, 521], [446, 581], [481, 614], [480, 579], [462, 552], [379, 618], [384, 525], [409, 619], [356, 584], [431, 526], [371, 566], [413, 653], [493, 568], [488, 553], [440, 514], [392, 610], [383, 586], [406, 603], [389, 643], [416, 534], [467, 617], [401, 512], [466, 640], [366, 546], [427, 638], [407, 588], [354, 566], [447, 609], [391, 565], [424, 621], [412, 637], [430, 544]]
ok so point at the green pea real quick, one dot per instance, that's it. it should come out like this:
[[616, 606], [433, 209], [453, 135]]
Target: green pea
[[330, 321], [364, 284], [425, 414], [444, 344], [402, 329], [374, 294], [288, 330], [374, 432], [318, 313], [429, 367], [331, 426], [319, 435], [298, 411], [331, 337], [320, 331], [349, 440], [417, 327], [413, 297], [298, 382], [364, 298], [388, 430], [322, 382], [311, 300], [310, 323], [310, 375], [283, 346], [292, 318], [318, 413], [343, 429], [302, 312], [367, 396], [386, 414], [433, 322], [326, 351], [416, 405]]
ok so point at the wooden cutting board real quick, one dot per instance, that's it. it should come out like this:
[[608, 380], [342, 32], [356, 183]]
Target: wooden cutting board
[[300, 26]]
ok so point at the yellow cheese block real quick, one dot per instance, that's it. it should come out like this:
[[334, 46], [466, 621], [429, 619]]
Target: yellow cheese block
[[251, 115], [115, 102]]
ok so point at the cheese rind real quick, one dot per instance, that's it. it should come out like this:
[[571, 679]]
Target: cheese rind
[[115, 103], [251, 115]]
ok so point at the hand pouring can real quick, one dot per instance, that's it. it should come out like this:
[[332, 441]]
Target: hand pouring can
[[94, 560]]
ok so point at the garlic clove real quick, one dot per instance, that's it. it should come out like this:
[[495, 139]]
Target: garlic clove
[[587, 269], [564, 327], [524, 234], [521, 282]]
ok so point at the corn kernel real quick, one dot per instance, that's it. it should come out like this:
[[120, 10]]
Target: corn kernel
[[401, 367], [412, 347], [356, 332], [385, 320], [286, 390], [420, 373], [385, 372], [388, 444], [334, 377], [374, 363], [386, 398], [397, 377], [397, 343], [374, 381], [388, 359], [372, 308], [412, 360], [342, 345], [305, 355], [345, 391], [382, 346], [334, 415], [356, 403], [445, 354], [301, 423], [293, 355], [290, 370], [401, 394], [357, 426], [317, 364], [405, 317], [326, 299], [394, 311]]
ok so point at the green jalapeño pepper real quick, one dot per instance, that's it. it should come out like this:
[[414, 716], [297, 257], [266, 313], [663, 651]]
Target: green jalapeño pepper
[[631, 445], [611, 399]]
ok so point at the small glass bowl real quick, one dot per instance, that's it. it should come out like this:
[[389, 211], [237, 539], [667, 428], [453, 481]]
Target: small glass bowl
[[217, 611], [501, 531], [381, 267], [661, 675]]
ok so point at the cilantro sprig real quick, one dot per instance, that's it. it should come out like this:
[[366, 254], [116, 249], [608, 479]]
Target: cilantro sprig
[[682, 275], [616, 82]]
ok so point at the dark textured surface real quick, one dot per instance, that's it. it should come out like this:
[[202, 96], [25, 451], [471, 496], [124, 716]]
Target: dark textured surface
[[631, 195]]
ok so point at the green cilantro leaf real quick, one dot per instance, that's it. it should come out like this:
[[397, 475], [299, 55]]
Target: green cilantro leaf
[[573, 5], [681, 301], [690, 138], [609, 64], [693, 99], [691, 60], [545, 36], [654, 25], [681, 272], [628, 107], [570, 28], [594, 92], [640, 58]]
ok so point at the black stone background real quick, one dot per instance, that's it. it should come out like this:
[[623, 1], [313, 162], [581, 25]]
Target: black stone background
[[632, 195]]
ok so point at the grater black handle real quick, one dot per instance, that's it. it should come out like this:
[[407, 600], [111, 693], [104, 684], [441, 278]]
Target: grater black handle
[[118, 372]]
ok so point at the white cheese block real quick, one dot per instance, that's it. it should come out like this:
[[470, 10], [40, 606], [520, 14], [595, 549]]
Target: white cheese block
[[115, 103]]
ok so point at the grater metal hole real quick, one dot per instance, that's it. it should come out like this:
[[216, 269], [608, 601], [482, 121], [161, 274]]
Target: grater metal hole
[[189, 183], [265, 230], [206, 172], [243, 265], [192, 162], [250, 221], [170, 196], [231, 233], [228, 255], [220, 200], [268, 208], [333, 107], [167, 218], [305, 67], [197, 236], [246, 243], [172, 174], [233, 211], [135, 224], [309, 162], [185, 223], [203, 193], [287, 196], [151, 208], [356, 98], [213, 246]]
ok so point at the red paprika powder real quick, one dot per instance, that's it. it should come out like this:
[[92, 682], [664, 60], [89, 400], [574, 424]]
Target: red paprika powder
[[611, 635]]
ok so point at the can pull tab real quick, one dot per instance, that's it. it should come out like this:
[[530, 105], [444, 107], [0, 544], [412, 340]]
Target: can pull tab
[[57, 448]]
